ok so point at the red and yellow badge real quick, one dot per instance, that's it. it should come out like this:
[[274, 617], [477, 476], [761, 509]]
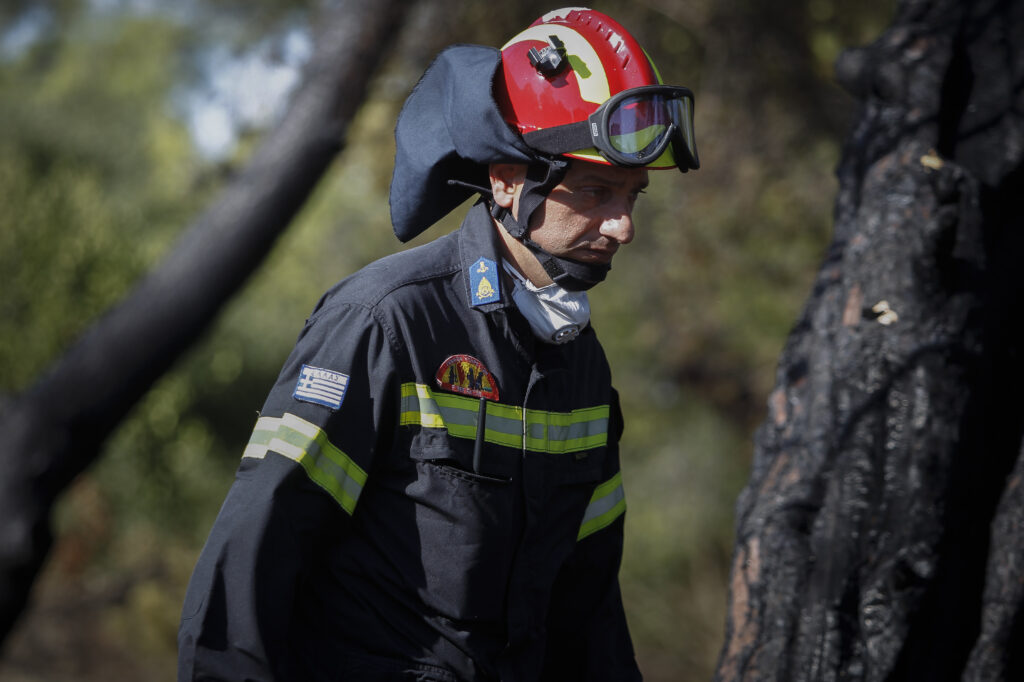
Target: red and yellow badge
[[467, 375]]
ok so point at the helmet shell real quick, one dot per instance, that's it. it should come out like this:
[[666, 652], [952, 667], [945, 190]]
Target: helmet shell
[[603, 59]]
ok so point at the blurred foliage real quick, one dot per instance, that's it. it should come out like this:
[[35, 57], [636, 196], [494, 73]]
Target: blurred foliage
[[98, 176]]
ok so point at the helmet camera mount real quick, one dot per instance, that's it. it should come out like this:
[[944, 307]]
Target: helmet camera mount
[[550, 60]]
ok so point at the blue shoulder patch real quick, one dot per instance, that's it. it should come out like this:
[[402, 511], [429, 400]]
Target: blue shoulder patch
[[484, 286]]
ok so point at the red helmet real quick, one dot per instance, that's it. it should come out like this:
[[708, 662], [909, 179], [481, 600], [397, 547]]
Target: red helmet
[[577, 83]]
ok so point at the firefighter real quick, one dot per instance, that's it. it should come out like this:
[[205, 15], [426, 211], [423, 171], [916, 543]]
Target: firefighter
[[432, 489]]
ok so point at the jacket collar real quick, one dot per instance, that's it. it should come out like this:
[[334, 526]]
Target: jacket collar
[[481, 262]]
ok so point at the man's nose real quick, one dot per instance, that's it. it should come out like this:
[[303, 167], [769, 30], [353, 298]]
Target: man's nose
[[620, 228]]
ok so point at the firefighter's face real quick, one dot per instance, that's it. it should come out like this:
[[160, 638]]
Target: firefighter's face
[[587, 216]]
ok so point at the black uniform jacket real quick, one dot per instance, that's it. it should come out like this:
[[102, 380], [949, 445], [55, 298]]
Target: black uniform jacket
[[359, 540]]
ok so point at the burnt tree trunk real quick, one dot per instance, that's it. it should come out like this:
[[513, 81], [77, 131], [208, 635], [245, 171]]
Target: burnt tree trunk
[[55, 430], [881, 534]]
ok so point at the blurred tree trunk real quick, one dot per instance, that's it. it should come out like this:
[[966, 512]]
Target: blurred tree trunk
[[881, 534], [55, 430]]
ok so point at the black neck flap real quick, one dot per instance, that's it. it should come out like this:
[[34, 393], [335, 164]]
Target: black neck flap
[[450, 128]]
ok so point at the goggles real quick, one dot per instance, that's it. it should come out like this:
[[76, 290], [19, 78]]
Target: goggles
[[632, 128]]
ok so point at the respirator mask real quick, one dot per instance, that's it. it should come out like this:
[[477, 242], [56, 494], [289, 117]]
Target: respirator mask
[[555, 314]]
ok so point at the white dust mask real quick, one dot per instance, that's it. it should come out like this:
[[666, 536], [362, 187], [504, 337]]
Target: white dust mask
[[556, 315]]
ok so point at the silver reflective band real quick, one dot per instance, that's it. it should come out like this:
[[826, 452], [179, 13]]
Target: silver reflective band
[[307, 444], [607, 504]]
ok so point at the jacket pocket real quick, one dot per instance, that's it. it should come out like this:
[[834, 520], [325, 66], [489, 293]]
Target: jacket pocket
[[469, 525]]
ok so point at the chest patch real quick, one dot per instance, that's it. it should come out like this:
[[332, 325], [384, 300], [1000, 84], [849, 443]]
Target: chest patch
[[321, 386], [466, 375]]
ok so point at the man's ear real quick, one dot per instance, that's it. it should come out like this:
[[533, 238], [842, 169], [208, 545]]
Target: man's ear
[[506, 182]]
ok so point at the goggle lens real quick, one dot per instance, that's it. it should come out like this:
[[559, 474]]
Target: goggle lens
[[637, 126], [640, 127]]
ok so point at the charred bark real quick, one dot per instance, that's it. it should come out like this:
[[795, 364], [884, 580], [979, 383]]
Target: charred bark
[[55, 430], [880, 534]]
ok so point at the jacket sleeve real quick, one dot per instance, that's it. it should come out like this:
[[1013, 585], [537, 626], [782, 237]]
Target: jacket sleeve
[[333, 406], [587, 636]]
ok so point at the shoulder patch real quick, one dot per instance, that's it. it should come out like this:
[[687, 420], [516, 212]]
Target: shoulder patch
[[467, 375], [321, 386], [483, 282]]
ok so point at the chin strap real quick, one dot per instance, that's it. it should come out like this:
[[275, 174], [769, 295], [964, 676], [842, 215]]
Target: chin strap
[[541, 178], [569, 274]]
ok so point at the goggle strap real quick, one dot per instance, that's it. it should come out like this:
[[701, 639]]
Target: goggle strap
[[560, 139]]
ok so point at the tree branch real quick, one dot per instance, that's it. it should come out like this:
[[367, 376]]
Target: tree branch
[[55, 430]]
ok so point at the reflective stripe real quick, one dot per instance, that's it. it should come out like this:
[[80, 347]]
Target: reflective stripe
[[305, 443], [607, 504], [540, 431], [567, 431]]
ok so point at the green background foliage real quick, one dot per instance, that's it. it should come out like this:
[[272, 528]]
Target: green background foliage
[[98, 176]]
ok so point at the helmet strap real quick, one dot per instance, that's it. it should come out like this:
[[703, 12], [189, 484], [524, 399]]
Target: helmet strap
[[569, 274], [541, 177]]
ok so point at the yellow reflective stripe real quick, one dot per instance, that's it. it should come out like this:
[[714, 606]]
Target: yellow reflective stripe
[[556, 432], [307, 444], [262, 434], [419, 407], [458, 414], [606, 504], [547, 432]]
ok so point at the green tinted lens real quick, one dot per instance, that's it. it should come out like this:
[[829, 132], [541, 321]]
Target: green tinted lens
[[638, 126]]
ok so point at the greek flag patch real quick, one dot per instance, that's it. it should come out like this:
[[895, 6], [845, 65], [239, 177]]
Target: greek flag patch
[[321, 386]]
